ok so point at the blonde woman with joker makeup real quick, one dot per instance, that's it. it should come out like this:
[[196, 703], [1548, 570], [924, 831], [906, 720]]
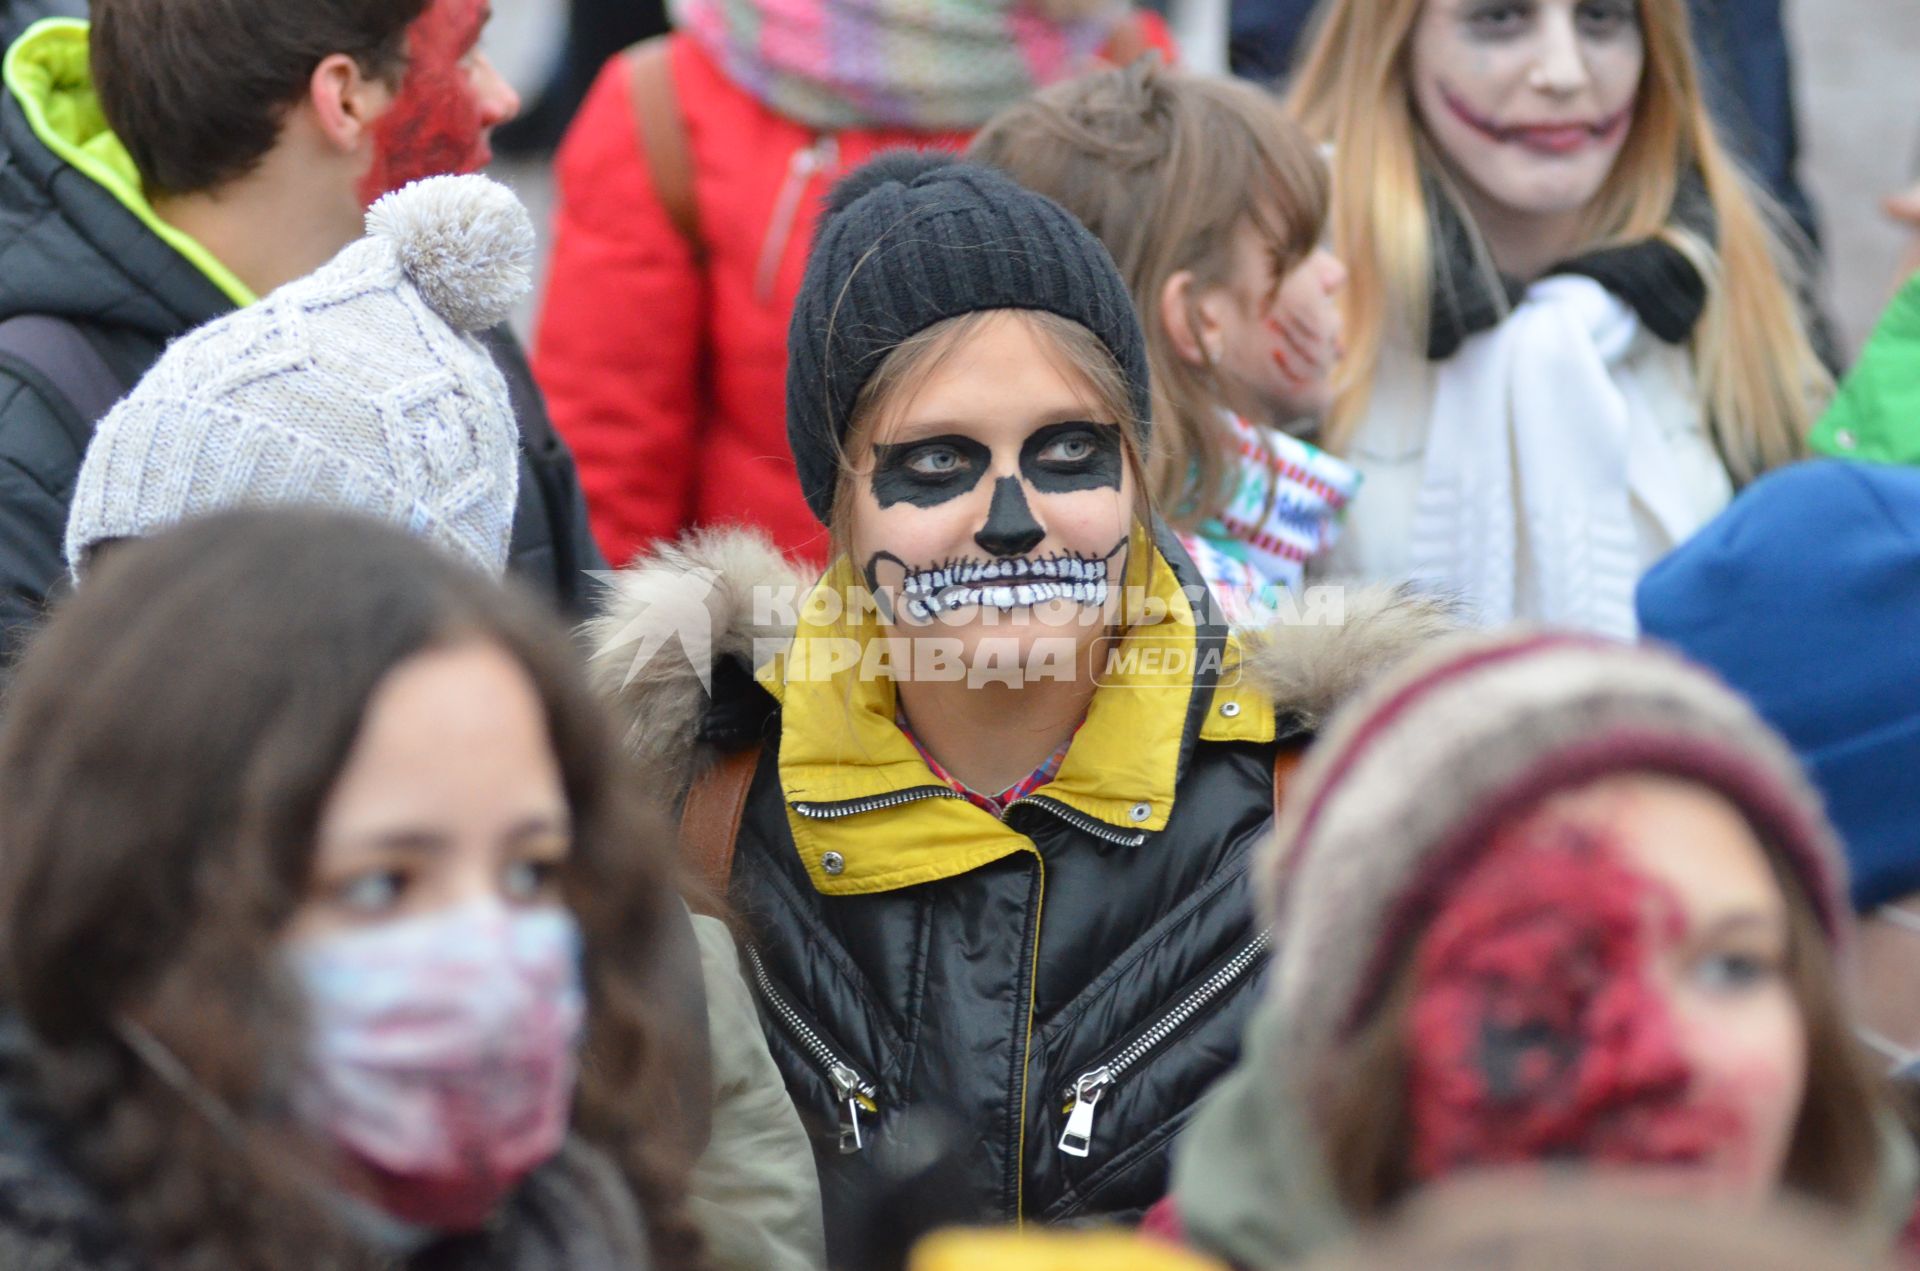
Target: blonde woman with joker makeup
[[995, 782], [1571, 330]]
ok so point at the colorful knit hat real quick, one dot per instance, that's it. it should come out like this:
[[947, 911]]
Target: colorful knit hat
[[1399, 799], [1414, 778], [358, 386]]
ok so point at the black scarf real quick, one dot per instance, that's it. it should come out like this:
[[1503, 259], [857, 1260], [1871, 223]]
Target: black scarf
[[1652, 275]]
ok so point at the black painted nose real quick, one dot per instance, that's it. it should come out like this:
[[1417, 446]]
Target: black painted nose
[[1010, 529]]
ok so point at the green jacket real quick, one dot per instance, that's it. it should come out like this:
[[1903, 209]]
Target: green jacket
[[1875, 417]]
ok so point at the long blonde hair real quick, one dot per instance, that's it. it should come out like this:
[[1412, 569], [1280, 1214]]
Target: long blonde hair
[[1759, 380], [1163, 168]]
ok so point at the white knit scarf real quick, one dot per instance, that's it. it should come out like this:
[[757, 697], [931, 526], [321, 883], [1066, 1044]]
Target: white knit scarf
[[1535, 459]]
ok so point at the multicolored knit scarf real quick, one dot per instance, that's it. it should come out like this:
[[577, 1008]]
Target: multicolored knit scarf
[[927, 65], [1288, 500]]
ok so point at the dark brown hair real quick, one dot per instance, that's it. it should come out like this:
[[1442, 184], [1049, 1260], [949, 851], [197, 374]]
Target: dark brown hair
[[197, 89], [1833, 1156], [1163, 168], [169, 743]]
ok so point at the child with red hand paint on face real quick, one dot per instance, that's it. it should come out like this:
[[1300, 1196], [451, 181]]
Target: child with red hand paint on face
[[1213, 204], [1543, 901]]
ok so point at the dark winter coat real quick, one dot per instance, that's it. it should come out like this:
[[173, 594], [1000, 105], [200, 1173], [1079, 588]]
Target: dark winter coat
[[17, 15], [76, 248], [921, 964]]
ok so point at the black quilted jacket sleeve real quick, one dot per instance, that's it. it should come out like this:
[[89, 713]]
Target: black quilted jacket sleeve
[[38, 465]]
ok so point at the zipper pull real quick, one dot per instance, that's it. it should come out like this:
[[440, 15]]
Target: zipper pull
[[846, 1086], [1087, 1093]]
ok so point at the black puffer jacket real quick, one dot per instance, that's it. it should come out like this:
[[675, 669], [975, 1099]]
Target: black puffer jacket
[[920, 962], [70, 249]]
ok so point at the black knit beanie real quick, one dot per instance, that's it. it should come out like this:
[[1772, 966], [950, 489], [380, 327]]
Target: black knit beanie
[[912, 239]]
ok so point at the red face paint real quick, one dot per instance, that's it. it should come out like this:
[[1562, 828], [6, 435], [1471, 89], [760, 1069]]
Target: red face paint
[[436, 123], [1536, 1031]]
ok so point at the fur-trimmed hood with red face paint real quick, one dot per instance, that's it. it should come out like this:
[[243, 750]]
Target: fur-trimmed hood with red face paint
[[1401, 795]]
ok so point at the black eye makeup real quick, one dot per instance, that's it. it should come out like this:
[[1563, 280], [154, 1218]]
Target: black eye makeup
[[1600, 19], [1496, 19], [928, 472], [1076, 455]]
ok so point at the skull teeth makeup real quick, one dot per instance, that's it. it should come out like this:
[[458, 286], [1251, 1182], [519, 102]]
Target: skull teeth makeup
[[1004, 584]]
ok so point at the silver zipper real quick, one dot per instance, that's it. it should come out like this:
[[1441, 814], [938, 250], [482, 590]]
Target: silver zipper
[[822, 156], [852, 1092], [1081, 821], [874, 803], [1091, 1086]]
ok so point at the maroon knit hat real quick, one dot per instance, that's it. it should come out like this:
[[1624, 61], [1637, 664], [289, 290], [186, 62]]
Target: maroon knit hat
[[1415, 777]]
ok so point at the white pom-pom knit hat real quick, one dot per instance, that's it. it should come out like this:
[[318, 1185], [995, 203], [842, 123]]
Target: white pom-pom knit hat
[[358, 386]]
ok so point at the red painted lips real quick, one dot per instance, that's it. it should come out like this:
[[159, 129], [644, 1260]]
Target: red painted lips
[[1555, 138]]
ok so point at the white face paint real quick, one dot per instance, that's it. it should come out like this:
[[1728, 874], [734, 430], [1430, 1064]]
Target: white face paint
[[1529, 103]]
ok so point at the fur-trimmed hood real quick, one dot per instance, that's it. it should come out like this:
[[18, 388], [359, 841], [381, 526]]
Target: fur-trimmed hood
[[730, 592]]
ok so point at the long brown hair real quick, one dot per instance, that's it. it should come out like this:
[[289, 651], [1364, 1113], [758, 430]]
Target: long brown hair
[[1834, 1153], [1163, 168], [1758, 379], [169, 742]]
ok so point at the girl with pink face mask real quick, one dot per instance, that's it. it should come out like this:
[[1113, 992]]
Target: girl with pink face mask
[[1544, 904], [334, 938]]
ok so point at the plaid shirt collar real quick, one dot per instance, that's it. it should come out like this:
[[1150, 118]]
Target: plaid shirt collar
[[997, 804]]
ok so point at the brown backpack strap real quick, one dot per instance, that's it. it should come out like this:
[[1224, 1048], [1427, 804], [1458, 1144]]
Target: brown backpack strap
[[663, 132], [710, 821], [1286, 761]]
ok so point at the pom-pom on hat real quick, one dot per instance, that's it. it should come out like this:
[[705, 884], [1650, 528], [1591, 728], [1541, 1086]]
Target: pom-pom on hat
[[912, 239], [358, 386]]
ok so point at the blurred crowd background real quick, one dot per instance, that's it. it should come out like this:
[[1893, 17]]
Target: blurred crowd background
[[1853, 61]]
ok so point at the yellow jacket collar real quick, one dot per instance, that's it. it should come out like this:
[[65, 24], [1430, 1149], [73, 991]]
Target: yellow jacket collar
[[840, 746]]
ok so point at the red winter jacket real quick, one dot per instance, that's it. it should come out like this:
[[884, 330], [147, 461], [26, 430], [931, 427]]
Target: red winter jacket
[[667, 379], [667, 376]]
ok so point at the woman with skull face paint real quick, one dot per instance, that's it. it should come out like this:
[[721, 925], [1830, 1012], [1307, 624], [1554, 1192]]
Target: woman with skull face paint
[[999, 772], [689, 188], [1545, 900], [333, 935], [1571, 329]]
